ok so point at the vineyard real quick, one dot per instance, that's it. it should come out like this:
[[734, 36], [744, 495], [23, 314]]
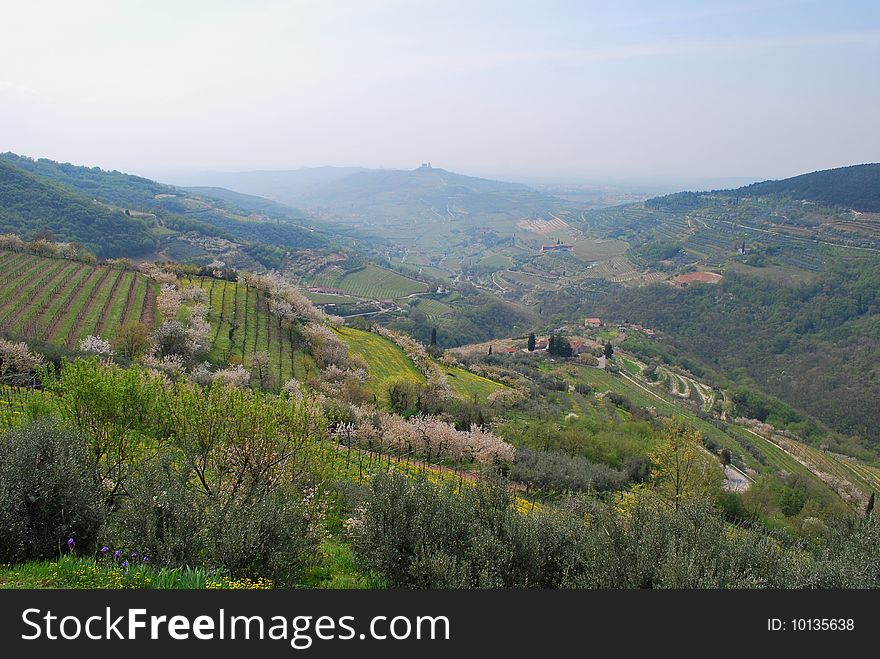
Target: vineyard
[[241, 325], [371, 282], [60, 301]]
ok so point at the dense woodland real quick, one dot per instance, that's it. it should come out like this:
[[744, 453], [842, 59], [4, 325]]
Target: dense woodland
[[33, 206]]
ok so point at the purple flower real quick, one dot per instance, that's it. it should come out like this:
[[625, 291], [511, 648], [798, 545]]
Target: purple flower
[[125, 564], [104, 550], [70, 543], [146, 560], [134, 555], [117, 554]]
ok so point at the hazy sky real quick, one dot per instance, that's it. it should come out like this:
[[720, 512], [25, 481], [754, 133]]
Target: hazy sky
[[598, 90]]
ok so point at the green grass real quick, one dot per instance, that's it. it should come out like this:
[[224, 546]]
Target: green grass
[[385, 359], [468, 386], [631, 366], [338, 571], [72, 572]]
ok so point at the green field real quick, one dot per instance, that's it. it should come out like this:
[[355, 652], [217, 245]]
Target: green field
[[468, 386], [385, 359], [371, 282], [60, 301]]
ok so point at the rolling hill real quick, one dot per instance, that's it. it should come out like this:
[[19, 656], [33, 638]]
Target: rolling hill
[[386, 196], [115, 214], [427, 192], [856, 187], [284, 186], [31, 205]]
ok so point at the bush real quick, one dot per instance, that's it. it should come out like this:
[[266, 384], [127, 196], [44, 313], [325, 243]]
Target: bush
[[558, 472], [273, 535], [413, 534], [47, 492], [160, 517], [276, 537]]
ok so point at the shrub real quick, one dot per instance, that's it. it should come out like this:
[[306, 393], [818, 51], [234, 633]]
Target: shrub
[[558, 472], [160, 516], [414, 534], [276, 536], [47, 492]]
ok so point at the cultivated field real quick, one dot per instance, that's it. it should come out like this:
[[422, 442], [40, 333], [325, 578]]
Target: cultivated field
[[385, 359], [60, 301], [242, 325], [371, 282]]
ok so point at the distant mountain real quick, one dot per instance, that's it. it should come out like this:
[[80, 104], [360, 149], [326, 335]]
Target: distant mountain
[[856, 187], [285, 186], [389, 196], [246, 202], [31, 205]]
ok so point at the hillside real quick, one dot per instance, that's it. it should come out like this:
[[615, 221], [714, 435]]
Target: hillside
[[284, 186], [856, 187], [116, 214], [31, 205], [247, 202], [426, 192], [59, 301]]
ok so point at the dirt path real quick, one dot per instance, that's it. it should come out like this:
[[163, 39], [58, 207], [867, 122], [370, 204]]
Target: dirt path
[[148, 310], [735, 480]]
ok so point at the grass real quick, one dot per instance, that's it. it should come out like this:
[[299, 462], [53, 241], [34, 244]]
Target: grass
[[73, 572], [385, 359], [631, 366], [468, 386], [338, 571]]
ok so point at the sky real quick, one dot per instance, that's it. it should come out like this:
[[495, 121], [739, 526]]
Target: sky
[[565, 91]]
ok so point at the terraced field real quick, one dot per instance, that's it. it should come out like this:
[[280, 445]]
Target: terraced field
[[371, 282], [60, 301], [242, 325]]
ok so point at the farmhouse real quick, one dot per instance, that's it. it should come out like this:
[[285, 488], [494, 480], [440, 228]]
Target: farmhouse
[[577, 347], [592, 322], [542, 344]]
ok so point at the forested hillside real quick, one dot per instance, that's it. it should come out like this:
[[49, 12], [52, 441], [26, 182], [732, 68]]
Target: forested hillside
[[856, 187], [32, 205], [815, 345]]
